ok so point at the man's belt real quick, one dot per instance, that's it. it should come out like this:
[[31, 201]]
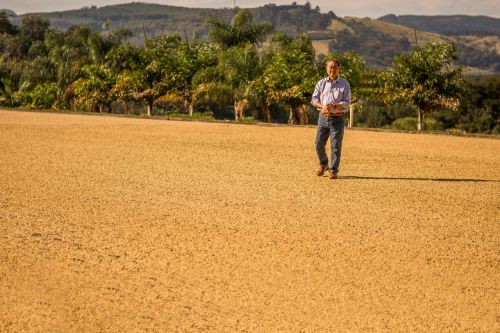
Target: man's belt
[[338, 115]]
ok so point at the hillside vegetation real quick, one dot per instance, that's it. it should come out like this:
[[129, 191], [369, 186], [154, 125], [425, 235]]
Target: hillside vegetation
[[453, 25], [155, 19], [378, 41], [476, 37]]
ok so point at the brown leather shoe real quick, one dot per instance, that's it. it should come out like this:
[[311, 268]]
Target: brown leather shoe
[[321, 170], [333, 175]]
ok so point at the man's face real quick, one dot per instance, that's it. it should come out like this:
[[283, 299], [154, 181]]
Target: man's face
[[332, 69]]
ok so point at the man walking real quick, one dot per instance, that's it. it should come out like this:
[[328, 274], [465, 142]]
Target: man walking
[[331, 97]]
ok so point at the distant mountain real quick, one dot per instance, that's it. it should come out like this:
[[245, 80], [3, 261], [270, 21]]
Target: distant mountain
[[377, 41], [453, 25], [154, 19]]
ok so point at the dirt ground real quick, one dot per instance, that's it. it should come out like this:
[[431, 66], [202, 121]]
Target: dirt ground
[[112, 224]]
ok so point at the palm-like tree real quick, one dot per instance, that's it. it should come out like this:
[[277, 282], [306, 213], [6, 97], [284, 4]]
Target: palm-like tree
[[239, 61], [241, 30]]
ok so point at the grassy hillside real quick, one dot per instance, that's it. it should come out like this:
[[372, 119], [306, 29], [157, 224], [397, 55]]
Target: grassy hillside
[[453, 25]]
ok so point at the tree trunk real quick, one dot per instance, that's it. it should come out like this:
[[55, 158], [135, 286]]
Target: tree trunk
[[420, 123], [105, 108], [303, 115], [239, 108], [188, 107], [150, 108], [291, 118], [351, 115], [267, 113], [127, 107]]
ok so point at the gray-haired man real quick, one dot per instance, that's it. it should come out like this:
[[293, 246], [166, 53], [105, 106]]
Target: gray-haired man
[[331, 97]]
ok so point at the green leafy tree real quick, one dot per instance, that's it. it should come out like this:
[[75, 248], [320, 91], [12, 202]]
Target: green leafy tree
[[33, 28], [9, 47], [238, 62], [70, 51], [288, 77], [124, 61], [42, 96], [39, 70], [167, 64], [94, 89], [124, 57], [480, 107], [239, 65], [130, 86], [279, 41], [426, 79], [7, 91], [241, 30], [191, 58], [226, 81], [76, 48]]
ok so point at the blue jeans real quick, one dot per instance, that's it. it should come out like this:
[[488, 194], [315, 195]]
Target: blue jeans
[[333, 127]]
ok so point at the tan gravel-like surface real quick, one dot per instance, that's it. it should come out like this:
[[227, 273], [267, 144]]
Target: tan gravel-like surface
[[114, 224]]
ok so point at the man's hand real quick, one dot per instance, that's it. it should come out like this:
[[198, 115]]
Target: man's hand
[[325, 110], [336, 109]]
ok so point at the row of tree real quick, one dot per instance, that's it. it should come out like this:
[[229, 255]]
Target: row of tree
[[242, 64]]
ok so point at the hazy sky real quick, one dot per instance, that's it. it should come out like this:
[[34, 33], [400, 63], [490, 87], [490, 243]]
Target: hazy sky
[[359, 8]]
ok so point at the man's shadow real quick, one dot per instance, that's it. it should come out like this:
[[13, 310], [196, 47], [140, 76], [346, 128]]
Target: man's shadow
[[424, 179]]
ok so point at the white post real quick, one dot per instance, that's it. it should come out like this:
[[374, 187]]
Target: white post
[[351, 115]]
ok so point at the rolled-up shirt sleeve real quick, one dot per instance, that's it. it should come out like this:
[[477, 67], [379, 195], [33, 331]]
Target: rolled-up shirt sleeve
[[316, 96], [346, 98]]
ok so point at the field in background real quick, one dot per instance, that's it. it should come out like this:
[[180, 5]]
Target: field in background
[[130, 225]]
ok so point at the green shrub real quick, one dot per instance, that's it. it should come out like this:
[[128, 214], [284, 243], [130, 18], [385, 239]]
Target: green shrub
[[43, 96], [405, 124], [477, 122], [204, 115], [410, 124], [207, 115], [247, 120], [455, 131]]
